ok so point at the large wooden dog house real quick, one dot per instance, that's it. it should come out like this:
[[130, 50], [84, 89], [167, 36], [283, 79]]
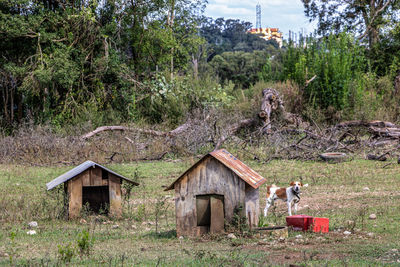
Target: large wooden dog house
[[93, 185], [208, 193]]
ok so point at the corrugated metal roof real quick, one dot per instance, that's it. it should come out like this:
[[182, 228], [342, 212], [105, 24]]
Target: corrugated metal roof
[[242, 170], [79, 169]]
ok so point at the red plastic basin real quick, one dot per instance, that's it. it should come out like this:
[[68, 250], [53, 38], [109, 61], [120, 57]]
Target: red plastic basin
[[321, 225], [306, 223], [299, 222]]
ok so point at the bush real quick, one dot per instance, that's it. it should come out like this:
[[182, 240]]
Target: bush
[[84, 243], [66, 253], [335, 61]]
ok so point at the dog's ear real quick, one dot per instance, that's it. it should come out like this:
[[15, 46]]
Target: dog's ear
[[291, 183]]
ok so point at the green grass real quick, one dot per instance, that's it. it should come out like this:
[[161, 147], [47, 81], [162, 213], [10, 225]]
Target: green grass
[[335, 191]]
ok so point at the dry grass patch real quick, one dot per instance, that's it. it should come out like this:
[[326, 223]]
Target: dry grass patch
[[336, 191]]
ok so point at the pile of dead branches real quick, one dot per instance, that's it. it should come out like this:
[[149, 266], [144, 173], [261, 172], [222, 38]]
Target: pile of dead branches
[[279, 134], [272, 133]]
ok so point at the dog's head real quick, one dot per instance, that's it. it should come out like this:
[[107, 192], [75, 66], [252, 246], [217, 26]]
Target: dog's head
[[296, 186]]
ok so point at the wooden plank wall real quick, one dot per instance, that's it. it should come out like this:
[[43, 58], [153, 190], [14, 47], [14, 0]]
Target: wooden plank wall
[[93, 177], [209, 177], [252, 200], [115, 195], [75, 197]]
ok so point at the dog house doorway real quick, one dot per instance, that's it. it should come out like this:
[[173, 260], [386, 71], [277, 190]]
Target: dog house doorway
[[210, 212], [97, 198]]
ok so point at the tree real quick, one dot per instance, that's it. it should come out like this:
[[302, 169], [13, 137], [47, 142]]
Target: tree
[[240, 67], [365, 17], [63, 60], [230, 35]]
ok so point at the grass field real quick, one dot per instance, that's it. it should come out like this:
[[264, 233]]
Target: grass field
[[336, 191]]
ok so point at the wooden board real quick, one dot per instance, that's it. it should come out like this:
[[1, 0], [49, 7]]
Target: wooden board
[[95, 177], [217, 214], [75, 197], [115, 196], [85, 178]]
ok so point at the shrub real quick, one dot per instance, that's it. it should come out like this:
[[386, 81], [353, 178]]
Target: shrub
[[85, 243], [66, 253]]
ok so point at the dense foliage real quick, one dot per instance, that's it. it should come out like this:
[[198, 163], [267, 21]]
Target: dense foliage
[[332, 63], [82, 60], [365, 17], [95, 62]]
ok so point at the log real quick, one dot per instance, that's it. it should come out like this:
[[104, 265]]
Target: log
[[385, 132], [180, 129], [377, 128], [375, 123], [376, 157]]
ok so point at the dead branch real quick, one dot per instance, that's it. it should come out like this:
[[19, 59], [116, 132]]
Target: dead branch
[[234, 129], [376, 123], [180, 129], [310, 80]]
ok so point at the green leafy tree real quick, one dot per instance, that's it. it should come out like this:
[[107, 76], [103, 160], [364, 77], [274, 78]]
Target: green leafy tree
[[365, 17], [240, 67], [231, 35], [71, 61]]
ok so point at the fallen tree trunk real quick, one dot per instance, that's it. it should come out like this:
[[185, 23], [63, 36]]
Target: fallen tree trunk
[[180, 129], [271, 101], [385, 132], [377, 128], [366, 124]]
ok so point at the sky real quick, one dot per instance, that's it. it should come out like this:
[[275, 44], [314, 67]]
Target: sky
[[283, 14]]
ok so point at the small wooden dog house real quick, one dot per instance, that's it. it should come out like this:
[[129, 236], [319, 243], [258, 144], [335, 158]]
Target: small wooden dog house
[[93, 185], [208, 193]]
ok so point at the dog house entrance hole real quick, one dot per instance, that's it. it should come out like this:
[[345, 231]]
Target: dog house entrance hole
[[210, 212], [97, 197]]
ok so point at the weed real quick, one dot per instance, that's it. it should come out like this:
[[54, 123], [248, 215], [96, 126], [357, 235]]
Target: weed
[[262, 221], [85, 243], [239, 223], [65, 253], [85, 210], [160, 209], [141, 212]]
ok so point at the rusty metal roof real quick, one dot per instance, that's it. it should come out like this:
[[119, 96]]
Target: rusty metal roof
[[242, 170], [78, 170]]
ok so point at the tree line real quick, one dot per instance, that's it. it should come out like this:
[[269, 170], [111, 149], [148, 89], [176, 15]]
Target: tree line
[[72, 61]]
